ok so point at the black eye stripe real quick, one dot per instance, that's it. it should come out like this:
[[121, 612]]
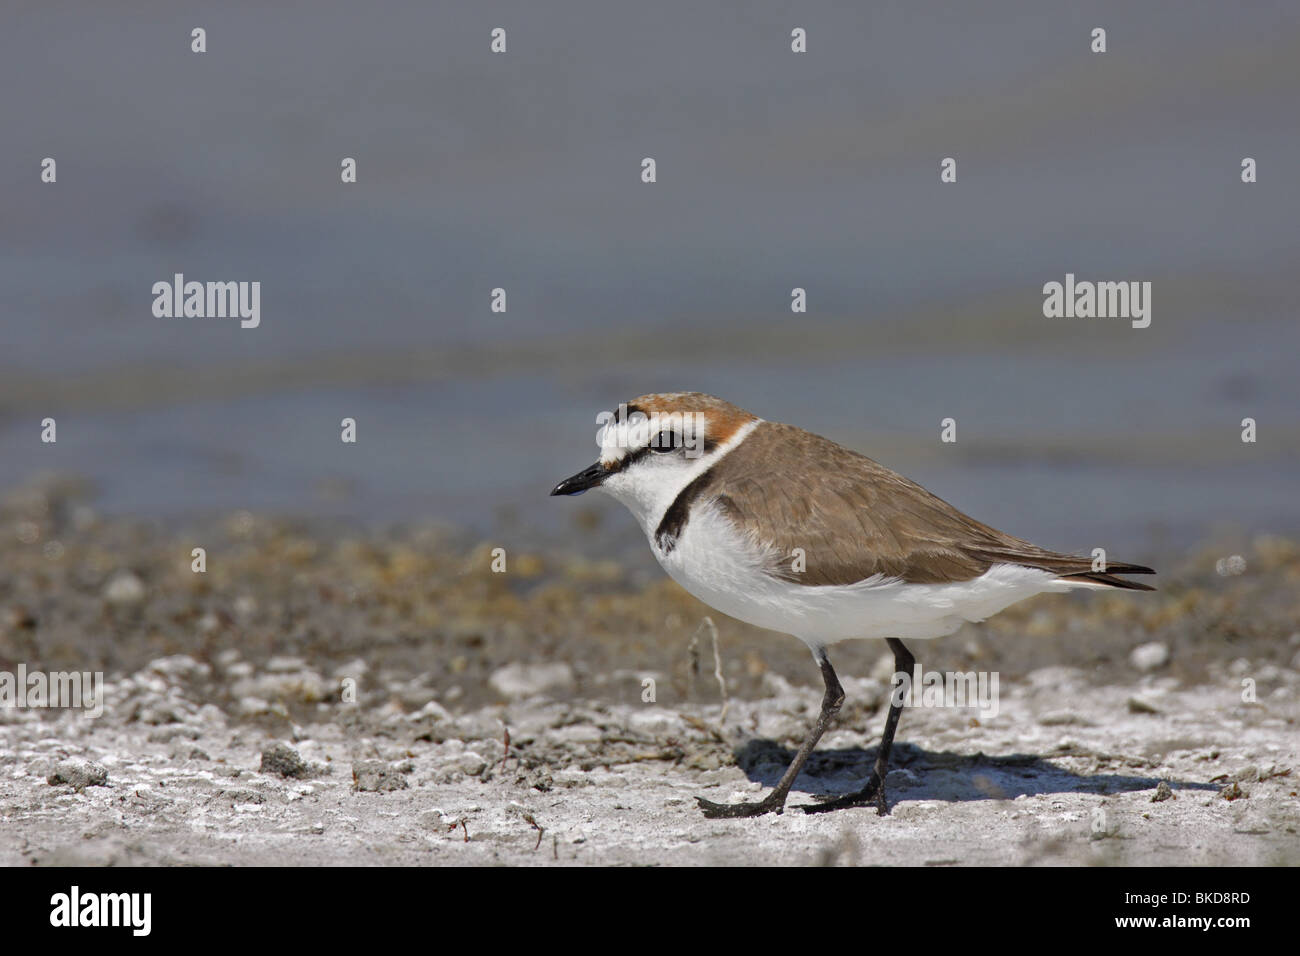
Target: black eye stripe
[[705, 446], [631, 458]]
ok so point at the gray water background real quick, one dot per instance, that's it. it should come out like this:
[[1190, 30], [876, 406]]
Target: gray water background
[[775, 170]]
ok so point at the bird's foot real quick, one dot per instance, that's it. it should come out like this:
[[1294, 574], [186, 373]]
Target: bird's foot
[[872, 795], [769, 804]]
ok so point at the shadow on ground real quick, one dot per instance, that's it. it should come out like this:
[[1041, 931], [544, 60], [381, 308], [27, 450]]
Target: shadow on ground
[[943, 775]]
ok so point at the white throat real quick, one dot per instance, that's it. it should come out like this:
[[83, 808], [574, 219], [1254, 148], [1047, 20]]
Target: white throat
[[648, 492]]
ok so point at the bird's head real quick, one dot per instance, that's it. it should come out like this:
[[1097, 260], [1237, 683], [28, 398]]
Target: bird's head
[[653, 446]]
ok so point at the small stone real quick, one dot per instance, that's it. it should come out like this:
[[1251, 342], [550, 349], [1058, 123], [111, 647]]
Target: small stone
[[78, 774], [1149, 657], [252, 707], [540, 779], [179, 667], [1163, 792], [1233, 791], [375, 776], [1138, 706], [124, 589], [284, 760], [432, 712], [517, 681], [469, 763]]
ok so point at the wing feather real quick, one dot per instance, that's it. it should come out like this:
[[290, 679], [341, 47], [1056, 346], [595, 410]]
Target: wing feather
[[854, 518]]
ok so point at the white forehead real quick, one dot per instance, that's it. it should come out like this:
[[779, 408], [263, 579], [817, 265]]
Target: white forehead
[[617, 439]]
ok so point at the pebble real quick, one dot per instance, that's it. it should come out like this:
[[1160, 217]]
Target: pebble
[[124, 589], [179, 666], [469, 763], [1149, 657], [79, 774], [517, 681], [375, 776], [282, 759]]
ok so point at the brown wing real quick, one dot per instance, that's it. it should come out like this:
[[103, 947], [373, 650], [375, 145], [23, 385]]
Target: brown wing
[[856, 518]]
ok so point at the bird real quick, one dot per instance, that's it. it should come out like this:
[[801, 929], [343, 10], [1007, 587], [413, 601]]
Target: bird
[[786, 530]]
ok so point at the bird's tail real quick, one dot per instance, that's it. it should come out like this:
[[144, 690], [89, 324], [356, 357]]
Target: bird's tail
[[1069, 567], [1109, 579]]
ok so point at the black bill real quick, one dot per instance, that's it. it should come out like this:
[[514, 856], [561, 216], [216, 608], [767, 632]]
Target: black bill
[[583, 480]]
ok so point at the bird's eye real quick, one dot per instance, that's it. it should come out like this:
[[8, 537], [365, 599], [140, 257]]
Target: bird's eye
[[666, 441]]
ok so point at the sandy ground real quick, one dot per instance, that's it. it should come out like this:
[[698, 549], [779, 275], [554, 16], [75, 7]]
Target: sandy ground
[[1063, 774], [325, 698]]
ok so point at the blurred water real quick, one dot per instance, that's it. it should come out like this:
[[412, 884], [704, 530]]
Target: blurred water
[[775, 170]]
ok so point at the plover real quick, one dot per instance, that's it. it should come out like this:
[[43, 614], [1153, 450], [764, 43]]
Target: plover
[[789, 531]]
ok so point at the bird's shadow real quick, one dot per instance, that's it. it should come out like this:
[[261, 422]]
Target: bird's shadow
[[941, 775]]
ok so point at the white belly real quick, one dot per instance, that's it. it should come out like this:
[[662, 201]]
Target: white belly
[[725, 570]]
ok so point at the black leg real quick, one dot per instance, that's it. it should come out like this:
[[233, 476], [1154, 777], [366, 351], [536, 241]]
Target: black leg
[[873, 794], [774, 802]]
